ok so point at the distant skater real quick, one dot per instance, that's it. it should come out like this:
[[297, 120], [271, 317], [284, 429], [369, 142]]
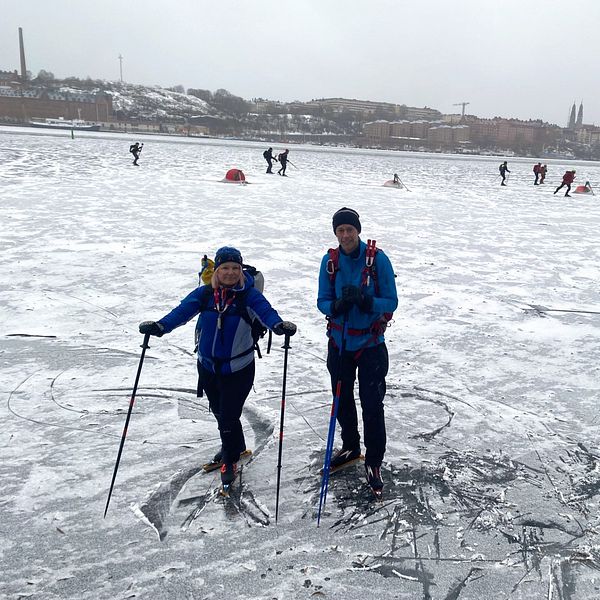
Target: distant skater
[[503, 168], [567, 180], [268, 154], [396, 179], [536, 171], [283, 159], [136, 150], [543, 171]]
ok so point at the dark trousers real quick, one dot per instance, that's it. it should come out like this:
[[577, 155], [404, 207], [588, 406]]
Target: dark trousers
[[226, 397], [282, 168], [372, 365], [270, 163], [537, 175], [562, 185], [136, 157]]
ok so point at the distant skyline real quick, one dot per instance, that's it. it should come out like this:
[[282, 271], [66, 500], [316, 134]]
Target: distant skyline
[[512, 59]]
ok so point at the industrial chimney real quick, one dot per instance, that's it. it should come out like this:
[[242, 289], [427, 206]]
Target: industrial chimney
[[22, 51]]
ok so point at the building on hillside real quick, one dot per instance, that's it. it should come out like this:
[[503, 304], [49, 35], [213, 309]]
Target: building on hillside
[[411, 112], [448, 135], [23, 104], [411, 129], [9, 78], [262, 107], [484, 132], [367, 107], [588, 135], [512, 133], [377, 131]]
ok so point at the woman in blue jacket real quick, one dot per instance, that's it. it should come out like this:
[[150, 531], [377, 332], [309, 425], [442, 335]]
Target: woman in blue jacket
[[227, 308]]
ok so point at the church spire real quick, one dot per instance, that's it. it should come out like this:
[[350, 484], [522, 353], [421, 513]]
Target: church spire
[[579, 122], [572, 117]]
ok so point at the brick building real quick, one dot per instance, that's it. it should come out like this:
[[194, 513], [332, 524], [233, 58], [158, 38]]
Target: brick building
[[22, 104], [448, 135], [377, 131]]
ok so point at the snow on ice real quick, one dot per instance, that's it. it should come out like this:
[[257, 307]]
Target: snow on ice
[[492, 470]]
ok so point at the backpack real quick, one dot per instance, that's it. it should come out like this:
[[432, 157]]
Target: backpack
[[132, 148], [258, 330], [369, 272], [266, 154]]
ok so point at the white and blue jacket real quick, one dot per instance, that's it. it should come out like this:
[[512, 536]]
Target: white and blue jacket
[[230, 348]]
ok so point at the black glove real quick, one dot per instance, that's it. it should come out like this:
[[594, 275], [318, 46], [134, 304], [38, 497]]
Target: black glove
[[152, 327], [341, 306], [354, 295], [285, 327]]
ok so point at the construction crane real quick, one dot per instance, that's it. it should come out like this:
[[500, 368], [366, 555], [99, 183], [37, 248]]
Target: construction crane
[[463, 104]]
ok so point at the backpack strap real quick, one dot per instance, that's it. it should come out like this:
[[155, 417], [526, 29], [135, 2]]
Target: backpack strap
[[333, 264], [240, 309], [369, 273]]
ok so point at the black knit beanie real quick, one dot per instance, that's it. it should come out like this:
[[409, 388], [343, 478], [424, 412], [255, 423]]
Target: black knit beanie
[[346, 216]]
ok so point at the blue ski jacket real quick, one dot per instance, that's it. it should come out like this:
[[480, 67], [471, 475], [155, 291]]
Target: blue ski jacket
[[229, 348], [350, 273]]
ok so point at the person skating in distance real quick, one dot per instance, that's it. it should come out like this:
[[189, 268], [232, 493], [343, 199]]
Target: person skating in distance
[[503, 168], [136, 149], [567, 180], [283, 159], [268, 155]]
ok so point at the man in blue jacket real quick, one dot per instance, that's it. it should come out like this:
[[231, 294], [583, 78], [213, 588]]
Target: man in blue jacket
[[357, 293]]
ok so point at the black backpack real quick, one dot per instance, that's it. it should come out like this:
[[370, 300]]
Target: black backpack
[[266, 154]]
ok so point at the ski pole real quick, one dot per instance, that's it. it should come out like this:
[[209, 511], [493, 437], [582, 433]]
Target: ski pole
[[293, 165], [144, 346], [331, 433], [286, 346], [402, 184]]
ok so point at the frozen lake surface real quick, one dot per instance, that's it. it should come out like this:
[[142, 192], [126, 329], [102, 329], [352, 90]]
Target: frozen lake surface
[[493, 466]]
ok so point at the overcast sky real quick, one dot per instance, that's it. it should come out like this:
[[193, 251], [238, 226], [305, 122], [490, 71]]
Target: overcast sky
[[513, 58]]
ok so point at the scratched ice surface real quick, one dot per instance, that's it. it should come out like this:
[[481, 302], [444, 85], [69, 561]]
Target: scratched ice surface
[[492, 469]]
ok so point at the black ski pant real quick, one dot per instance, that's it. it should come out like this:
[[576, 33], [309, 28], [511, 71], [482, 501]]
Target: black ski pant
[[226, 397], [270, 163], [372, 365], [136, 157], [283, 167], [562, 185]]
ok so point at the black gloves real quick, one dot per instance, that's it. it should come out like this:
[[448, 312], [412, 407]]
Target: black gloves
[[285, 327], [341, 306], [353, 296], [152, 327]]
